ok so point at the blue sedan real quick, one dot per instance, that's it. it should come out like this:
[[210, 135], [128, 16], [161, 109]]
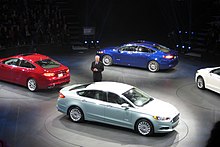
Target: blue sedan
[[143, 54]]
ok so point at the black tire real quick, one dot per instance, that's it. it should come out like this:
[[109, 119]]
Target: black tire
[[200, 83], [32, 84], [153, 66], [107, 60], [144, 127], [76, 114]]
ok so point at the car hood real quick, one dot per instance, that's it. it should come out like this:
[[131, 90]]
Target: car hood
[[109, 48], [160, 108], [206, 70]]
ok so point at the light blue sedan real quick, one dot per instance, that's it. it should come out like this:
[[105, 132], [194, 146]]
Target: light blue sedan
[[118, 104]]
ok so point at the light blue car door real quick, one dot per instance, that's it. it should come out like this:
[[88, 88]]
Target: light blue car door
[[116, 114], [94, 105]]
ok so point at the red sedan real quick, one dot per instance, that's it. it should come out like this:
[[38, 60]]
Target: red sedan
[[34, 70]]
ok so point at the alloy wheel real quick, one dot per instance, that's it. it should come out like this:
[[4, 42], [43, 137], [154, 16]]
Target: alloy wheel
[[32, 85]]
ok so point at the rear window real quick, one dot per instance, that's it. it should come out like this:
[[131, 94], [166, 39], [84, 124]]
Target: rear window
[[48, 63], [162, 48]]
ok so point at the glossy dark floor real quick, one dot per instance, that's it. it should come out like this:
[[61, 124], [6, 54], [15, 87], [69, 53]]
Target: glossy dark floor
[[31, 119]]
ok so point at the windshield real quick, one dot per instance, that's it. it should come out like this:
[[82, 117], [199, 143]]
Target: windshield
[[48, 63], [137, 97]]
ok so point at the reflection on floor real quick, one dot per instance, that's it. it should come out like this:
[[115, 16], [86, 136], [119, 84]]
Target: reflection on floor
[[31, 119]]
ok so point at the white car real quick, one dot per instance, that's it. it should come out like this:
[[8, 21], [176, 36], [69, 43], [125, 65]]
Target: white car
[[118, 104], [208, 78]]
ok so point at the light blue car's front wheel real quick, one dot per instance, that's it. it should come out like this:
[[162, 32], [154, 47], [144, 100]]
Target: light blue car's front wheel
[[107, 60], [76, 114], [144, 127]]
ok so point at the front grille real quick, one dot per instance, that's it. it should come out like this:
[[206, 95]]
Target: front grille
[[176, 118]]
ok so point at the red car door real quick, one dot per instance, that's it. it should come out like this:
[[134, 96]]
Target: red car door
[[23, 72], [7, 67]]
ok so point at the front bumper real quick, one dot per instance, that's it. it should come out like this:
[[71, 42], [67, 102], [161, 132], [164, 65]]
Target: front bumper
[[165, 127]]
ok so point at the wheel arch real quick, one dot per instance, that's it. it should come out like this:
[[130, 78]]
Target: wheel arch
[[135, 124], [73, 106], [200, 76], [155, 61]]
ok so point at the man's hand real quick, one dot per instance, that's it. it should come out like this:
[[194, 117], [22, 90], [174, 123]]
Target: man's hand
[[95, 69]]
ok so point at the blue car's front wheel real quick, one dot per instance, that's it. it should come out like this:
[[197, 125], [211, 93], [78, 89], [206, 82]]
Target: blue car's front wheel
[[107, 60], [153, 66]]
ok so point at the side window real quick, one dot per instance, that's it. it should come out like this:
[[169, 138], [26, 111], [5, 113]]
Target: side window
[[114, 98], [12, 61], [26, 64], [94, 94], [128, 48], [145, 50]]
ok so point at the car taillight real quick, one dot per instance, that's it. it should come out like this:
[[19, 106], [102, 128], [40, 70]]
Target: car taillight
[[48, 74], [61, 95], [67, 71], [168, 57]]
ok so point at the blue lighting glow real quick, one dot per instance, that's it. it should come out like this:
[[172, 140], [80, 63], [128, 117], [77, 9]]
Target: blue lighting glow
[[92, 42], [180, 32], [192, 33], [186, 32]]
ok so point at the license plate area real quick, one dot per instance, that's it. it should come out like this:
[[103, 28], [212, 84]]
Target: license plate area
[[60, 75]]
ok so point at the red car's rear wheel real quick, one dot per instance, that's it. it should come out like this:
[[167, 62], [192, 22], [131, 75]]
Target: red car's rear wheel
[[32, 84]]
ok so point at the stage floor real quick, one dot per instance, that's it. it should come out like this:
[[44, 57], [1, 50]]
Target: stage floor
[[30, 119]]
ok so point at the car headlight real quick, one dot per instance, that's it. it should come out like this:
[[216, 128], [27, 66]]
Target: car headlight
[[100, 52], [161, 118]]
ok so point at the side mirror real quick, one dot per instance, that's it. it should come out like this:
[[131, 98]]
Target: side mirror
[[125, 105]]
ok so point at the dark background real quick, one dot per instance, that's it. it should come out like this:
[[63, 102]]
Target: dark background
[[119, 21]]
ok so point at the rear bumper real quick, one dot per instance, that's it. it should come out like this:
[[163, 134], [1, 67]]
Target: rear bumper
[[166, 64], [53, 82]]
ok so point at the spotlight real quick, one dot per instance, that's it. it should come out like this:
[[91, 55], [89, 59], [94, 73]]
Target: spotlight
[[97, 42], [183, 46], [85, 42], [192, 33], [186, 32], [92, 42], [177, 45], [189, 47], [180, 32]]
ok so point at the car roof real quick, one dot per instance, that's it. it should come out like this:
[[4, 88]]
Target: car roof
[[114, 87], [32, 57]]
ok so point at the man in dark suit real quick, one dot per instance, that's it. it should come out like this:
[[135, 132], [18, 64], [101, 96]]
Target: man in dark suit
[[97, 67]]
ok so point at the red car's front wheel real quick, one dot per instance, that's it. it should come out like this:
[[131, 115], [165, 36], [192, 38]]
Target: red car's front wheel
[[32, 84]]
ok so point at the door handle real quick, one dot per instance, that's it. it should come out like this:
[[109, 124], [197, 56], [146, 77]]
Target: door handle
[[108, 106], [83, 100]]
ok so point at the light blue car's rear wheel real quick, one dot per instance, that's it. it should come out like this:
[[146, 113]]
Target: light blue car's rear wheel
[[76, 114], [153, 66], [144, 127], [107, 60]]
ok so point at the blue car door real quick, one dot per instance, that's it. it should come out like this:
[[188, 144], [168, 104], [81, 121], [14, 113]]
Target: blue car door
[[125, 55], [142, 55], [115, 114]]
